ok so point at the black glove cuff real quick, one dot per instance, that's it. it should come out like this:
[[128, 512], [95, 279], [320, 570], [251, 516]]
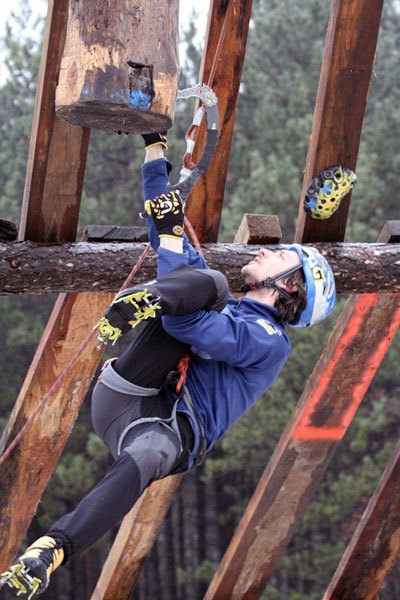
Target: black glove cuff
[[151, 139]]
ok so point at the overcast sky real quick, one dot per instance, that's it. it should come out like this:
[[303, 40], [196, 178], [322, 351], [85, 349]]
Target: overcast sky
[[7, 6]]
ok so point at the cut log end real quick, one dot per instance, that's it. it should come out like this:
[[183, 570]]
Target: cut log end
[[114, 118]]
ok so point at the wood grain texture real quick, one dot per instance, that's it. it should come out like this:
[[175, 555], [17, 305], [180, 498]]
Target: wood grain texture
[[120, 66], [342, 95]]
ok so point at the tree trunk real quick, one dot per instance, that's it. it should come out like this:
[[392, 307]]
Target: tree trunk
[[120, 66], [28, 268]]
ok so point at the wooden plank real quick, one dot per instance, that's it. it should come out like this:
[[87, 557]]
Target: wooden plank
[[259, 229], [134, 541], [114, 233], [25, 472], [340, 105], [57, 152], [376, 542], [221, 69], [325, 410], [254, 229]]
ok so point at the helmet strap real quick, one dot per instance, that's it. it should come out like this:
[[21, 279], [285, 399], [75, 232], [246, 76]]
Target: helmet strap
[[270, 282]]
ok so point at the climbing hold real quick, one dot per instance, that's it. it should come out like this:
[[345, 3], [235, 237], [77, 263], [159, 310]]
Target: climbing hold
[[327, 190]]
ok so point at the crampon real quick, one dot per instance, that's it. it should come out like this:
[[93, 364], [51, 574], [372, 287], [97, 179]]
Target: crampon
[[129, 308]]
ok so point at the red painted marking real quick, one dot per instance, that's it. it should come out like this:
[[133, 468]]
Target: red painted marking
[[309, 432], [303, 429]]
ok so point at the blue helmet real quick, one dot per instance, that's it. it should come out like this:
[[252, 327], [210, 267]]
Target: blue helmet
[[320, 286]]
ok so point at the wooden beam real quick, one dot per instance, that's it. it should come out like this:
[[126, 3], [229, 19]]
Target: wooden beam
[[221, 69], [26, 267], [340, 105], [375, 545], [134, 541], [26, 471], [57, 152], [259, 229], [325, 410]]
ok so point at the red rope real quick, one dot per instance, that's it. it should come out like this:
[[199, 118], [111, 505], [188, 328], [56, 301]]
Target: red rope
[[193, 236], [39, 407], [182, 368], [135, 268]]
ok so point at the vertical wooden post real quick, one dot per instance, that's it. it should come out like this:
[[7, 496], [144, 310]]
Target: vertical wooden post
[[226, 53], [341, 100], [57, 150], [120, 67]]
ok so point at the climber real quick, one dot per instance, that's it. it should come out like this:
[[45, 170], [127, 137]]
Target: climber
[[157, 420]]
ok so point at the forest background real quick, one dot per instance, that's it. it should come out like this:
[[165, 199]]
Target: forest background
[[271, 136]]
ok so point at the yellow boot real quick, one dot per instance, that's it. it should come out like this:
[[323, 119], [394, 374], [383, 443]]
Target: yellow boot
[[30, 573]]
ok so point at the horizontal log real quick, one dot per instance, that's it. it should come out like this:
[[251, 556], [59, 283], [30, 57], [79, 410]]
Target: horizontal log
[[31, 268]]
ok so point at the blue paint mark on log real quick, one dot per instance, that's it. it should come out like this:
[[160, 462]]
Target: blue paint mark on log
[[117, 96], [139, 99]]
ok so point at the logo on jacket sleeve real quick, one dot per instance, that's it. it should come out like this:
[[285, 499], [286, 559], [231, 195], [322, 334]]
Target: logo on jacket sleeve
[[269, 327]]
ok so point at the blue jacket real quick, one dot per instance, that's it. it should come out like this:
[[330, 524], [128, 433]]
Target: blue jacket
[[236, 355]]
